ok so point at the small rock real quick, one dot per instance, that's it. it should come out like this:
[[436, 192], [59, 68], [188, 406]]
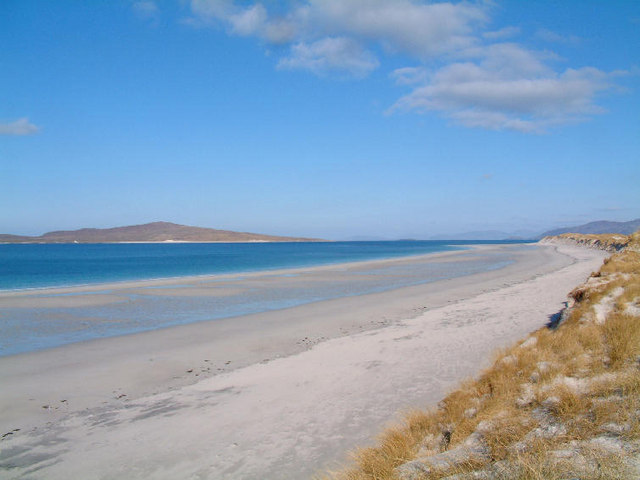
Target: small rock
[[551, 402], [527, 397], [499, 469], [485, 427], [470, 412], [430, 445], [612, 445], [615, 428], [472, 450]]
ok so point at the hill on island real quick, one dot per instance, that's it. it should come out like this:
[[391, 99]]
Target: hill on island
[[599, 227], [149, 232]]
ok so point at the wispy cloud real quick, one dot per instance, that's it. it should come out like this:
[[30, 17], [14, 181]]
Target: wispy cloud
[[553, 37], [506, 32], [461, 69], [410, 75], [22, 126], [146, 9], [331, 55]]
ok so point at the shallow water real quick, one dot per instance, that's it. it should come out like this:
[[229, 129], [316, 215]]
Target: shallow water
[[141, 308], [54, 265]]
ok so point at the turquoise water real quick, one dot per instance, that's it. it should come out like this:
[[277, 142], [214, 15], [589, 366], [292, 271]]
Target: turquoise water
[[31, 326], [50, 265]]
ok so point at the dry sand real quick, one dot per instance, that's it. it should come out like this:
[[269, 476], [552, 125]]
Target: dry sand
[[277, 395]]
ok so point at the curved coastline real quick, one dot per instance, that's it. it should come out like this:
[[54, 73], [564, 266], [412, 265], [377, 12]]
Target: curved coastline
[[283, 392]]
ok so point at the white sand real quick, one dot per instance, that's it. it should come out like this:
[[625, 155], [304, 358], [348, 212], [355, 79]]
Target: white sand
[[129, 408]]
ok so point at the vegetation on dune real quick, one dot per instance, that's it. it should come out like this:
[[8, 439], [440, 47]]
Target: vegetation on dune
[[611, 242], [564, 403]]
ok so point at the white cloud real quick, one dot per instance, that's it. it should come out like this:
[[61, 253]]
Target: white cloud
[[508, 60], [461, 70], [423, 30], [482, 95], [22, 126], [250, 21], [330, 55], [244, 21]]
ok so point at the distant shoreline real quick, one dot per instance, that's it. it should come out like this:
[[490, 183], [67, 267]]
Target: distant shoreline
[[166, 242]]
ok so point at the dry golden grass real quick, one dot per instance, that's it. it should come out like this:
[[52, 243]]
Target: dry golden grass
[[583, 379]]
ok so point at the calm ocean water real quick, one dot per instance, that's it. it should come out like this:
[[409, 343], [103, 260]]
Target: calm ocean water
[[50, 265], [44, 319]]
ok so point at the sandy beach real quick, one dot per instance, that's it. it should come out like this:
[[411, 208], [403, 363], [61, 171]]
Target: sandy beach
[[280, 394]]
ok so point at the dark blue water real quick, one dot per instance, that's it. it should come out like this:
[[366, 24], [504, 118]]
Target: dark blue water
[[55, 265]]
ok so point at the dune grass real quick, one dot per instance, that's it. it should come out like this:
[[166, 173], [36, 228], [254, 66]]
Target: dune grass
[[563, 403]]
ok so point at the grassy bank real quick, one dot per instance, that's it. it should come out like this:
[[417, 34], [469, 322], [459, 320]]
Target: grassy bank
[[563, 403]]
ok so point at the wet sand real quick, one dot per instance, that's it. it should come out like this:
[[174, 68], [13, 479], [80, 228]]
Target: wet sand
[[279, 394]]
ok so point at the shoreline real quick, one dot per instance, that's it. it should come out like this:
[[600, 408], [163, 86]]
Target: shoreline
[[43, 319], [161, 281], [452, 247], [330, 349]]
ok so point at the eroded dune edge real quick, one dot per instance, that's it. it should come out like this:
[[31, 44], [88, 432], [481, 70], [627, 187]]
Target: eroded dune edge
[[562, 403]]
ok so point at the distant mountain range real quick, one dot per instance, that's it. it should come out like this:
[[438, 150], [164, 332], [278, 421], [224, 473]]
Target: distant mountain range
[[601, 226], [149, 232]]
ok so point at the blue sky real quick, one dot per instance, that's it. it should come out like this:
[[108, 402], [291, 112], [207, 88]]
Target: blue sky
[[329, 118]]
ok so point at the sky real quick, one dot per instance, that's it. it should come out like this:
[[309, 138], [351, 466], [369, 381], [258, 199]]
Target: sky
[[324, 118]]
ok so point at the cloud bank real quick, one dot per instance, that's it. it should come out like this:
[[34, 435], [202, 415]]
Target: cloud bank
[[460, 68]]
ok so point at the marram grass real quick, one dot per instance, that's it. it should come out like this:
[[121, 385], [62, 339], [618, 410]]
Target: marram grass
[[565, 405]]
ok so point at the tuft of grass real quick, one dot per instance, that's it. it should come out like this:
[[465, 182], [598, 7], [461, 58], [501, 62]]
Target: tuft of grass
[[622, 334], [548, 402]]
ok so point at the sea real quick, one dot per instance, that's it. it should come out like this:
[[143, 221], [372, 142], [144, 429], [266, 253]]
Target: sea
[[33, 269]]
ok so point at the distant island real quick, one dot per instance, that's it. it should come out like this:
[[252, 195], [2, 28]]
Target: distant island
[[151, 233]]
